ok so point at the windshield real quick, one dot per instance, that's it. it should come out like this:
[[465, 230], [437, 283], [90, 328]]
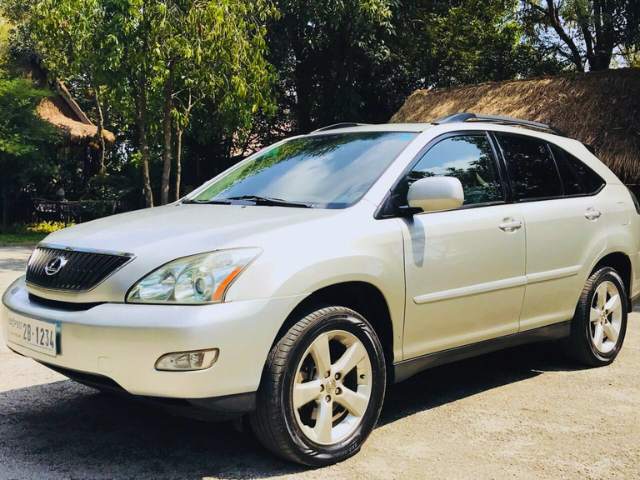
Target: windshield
[[326, 171]]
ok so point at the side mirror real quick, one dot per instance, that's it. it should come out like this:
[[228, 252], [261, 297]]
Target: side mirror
[[434, 194]]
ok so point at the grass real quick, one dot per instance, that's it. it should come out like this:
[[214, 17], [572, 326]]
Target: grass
[[28, 234], [20, 238]]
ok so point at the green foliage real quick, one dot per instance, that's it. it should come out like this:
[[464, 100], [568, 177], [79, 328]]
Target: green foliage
[[132, 57], [25, 141], [476, 41], [324, 51], [28, 234], [24, 137], [215, 58], [218, 77], [584, 33], [358, 61], [19, 238], [5, 30]]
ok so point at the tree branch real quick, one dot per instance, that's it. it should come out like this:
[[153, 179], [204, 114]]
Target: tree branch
[[553, 17]]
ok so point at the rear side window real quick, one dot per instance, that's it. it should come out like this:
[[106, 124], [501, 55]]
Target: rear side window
[[532, 169], [469, 158], [577, 177]]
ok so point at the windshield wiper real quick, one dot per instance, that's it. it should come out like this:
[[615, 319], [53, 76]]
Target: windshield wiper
[[270, 201], [222, 201]]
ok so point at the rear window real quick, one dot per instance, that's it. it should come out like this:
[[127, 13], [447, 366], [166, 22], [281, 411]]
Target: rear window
[[577, 177], [532, 169]]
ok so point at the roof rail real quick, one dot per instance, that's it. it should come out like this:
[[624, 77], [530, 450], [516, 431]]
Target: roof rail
[[502, 120], [339, 125]]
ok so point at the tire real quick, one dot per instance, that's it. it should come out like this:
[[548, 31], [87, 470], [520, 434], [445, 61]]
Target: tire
[[292, 432], [591, 327]]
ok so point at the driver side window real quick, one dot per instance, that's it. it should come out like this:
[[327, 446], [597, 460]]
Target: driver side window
[[469, 158]]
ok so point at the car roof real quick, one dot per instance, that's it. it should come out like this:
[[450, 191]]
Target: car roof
[[373, 127], [449, 122], [422, 127]]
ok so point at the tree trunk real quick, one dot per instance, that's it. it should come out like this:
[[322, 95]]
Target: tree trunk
[[167, 144], [553, 17], [100, 132], [600, 61], [303, 78], [178, 178], [143, 144], [5, 207]]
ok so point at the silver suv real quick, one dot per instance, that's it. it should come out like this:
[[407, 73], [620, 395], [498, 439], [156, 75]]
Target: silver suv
[[296, 285]]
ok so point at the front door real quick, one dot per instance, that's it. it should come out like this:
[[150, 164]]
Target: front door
[[465, 268]]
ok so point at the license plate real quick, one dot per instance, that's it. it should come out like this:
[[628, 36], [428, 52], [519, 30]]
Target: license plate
[[34, 334]]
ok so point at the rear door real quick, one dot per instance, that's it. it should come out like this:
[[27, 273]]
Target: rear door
[[557, 196]]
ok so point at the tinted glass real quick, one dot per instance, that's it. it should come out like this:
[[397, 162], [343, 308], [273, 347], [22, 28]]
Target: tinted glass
[[470, 159], [577, 178], [531, 167], [330, 171]]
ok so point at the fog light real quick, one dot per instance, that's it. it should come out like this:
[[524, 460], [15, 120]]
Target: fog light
[[187, 361]]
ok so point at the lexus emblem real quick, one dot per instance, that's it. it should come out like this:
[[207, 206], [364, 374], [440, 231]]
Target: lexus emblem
[[55, 265]]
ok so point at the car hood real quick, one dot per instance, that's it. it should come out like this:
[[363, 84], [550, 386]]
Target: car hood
[[184, 229]]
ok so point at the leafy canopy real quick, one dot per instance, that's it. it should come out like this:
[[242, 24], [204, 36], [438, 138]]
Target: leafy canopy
[[25, 139]]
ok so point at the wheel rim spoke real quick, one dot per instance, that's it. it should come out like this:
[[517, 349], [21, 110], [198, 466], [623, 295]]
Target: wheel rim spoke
[[610, 331], [606, 316], [350, 358], [601, 296], [598, 336], [355, 402], [306, 392], [612, 304], [321, 354], [324, 422]]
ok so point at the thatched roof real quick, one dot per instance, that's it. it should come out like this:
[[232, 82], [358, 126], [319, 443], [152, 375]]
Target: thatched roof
[[62, 111], [598, 108]]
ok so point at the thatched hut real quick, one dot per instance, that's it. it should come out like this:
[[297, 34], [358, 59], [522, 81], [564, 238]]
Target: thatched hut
[[62, 111], [601, 109]]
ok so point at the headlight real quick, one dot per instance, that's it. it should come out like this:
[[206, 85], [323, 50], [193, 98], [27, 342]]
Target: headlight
[[197, 279]]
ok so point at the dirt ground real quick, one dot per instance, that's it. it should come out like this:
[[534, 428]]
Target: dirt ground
[[522, 413]]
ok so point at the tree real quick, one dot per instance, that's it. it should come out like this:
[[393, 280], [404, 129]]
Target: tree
[[67, 36], [476, 41], [156, 61], [587, 32], [26, 141], [320, 48], [358, 61], [209, 50]]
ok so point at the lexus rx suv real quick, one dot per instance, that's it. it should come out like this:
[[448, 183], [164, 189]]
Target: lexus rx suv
[[294, 287]]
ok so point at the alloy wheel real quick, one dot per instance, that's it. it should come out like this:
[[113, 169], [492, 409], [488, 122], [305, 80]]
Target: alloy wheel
[[332, 387], [605, 317]]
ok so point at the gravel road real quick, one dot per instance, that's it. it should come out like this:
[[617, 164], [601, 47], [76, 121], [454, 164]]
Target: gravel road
[[522, 413]]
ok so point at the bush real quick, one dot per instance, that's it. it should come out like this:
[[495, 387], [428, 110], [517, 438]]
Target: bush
[[46, 227]]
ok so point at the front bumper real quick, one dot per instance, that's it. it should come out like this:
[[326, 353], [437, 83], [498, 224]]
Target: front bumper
[[123, 341]]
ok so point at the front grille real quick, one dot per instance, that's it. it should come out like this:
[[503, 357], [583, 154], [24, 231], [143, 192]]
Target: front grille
[[81, 270]]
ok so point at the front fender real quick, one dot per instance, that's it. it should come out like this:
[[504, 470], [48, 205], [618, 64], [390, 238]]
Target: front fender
[[371, 252]]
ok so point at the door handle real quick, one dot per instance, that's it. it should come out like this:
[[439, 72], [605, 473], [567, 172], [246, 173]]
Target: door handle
[[510, 224], [592, 214]]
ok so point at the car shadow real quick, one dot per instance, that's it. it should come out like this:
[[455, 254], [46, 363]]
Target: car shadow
[[449, 383], [64, 429]]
